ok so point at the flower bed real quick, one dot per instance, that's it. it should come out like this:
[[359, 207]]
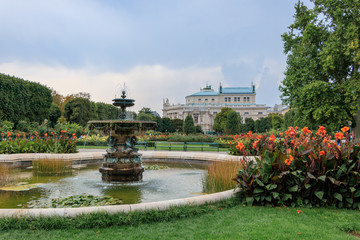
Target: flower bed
[[38, 144], [300, 168]]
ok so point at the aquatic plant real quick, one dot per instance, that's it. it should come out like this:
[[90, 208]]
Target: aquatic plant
[[5, 174], [50, 167], [74, 201], [220, 176]]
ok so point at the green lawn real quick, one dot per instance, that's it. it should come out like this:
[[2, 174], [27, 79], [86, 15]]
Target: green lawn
[[235, 222]]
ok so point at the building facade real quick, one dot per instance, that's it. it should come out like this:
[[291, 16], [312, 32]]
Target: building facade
[[204, 105]]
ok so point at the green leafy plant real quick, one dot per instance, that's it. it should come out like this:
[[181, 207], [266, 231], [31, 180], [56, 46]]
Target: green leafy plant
[[302, 169]]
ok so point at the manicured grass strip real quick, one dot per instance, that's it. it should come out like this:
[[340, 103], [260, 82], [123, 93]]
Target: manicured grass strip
[[230, 222], [102, 219]]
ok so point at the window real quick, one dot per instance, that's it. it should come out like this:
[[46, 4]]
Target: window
[[244, 99], [199, 99], [213, 99], [239, 99], [206, 99], [246, 113], [229, 99], [214, 112], [248, 99], [260, 113], [235, 99], [196, 118]]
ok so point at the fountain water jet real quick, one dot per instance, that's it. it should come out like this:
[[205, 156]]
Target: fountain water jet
[[122, 161]]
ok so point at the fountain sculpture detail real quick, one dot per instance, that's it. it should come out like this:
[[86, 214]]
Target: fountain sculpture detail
[[122, 161]]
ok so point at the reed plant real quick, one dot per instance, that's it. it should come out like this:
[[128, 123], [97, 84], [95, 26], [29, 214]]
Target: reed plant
[[220, 176], [51, 166], [5, 174]]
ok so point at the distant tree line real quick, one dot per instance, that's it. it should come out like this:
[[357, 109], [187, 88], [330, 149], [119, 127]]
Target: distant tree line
[[23, 102], [229, 122]]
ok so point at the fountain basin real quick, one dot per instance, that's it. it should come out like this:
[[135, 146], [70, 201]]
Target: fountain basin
[[154, 156]]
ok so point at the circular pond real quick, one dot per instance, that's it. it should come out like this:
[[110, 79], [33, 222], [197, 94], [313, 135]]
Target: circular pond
[[171, 182]]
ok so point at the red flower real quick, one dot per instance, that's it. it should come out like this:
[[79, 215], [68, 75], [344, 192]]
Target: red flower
[[345, 129], [322, 153], [240, 146], [272, 137], [339, 135], [306, 130], [321, 131], [255, 144]]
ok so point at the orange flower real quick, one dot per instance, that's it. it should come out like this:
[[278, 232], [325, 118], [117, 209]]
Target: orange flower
[[321, 131], [339, 135], [255, 144], [289, 160], [46, 134], [240, 146], [259, 137], [345, 129], [291, 132], [272, 137], [9, 134], [281, 134], [306, 130], [322, 153], [325, 140]]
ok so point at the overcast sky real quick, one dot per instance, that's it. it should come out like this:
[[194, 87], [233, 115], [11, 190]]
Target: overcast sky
[[158, 48]]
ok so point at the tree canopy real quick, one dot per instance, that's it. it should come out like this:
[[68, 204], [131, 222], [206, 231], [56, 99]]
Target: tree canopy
[[232, 124], [323, 56], [189, 126], [220, 120], [23, 100]]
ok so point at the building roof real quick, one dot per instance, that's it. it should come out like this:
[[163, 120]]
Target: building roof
[[237, 90], [225, 90], [205, 93]]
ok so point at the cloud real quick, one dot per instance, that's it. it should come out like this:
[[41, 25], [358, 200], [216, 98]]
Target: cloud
[[147, 84]]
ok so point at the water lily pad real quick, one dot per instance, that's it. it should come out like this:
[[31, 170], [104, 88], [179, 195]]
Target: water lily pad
[[20, 187]]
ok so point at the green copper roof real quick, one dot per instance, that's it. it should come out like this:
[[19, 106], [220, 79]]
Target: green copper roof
[[227, 90]]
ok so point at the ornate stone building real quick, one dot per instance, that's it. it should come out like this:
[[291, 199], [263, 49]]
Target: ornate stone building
[[204, 105]]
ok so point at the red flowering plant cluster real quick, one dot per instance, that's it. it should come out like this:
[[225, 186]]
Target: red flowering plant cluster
[[35, 143], [251, 142], [300, 168]]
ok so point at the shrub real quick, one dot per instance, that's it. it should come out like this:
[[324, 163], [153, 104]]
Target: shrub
[[301, 169]]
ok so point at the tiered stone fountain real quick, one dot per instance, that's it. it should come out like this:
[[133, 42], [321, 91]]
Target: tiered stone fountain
[[122, 161]]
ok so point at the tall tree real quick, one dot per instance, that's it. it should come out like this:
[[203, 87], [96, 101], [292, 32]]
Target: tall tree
[[177, 124], [78, 110], [249, 125], [323, 59], [232, 124], [220, 120], [145, 114], [189, 126]]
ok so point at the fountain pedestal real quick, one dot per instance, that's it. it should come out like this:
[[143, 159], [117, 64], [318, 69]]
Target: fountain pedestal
[[122, 161]]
